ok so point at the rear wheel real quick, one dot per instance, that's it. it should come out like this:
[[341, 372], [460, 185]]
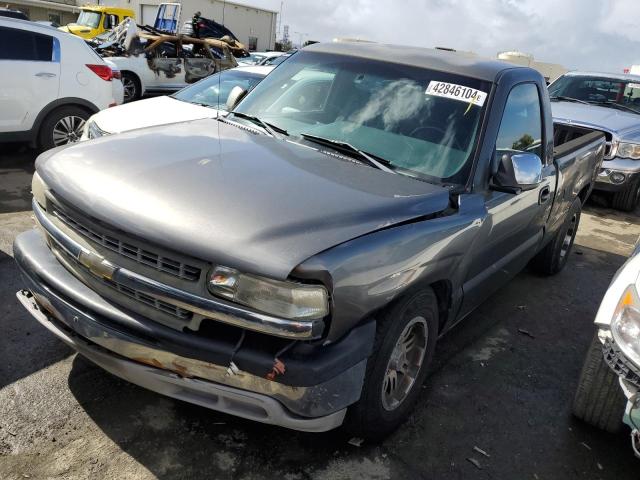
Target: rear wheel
[[553, 257], [599, 400], [62, 126], [132, 88], [627, 199], [405, 341]]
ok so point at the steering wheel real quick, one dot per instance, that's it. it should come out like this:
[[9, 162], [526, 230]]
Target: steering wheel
[[438, 130]]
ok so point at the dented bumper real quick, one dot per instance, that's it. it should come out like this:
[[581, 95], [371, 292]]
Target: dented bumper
[[179, 365]]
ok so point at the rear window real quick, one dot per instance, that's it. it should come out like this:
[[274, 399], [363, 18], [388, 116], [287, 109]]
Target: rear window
[[18, 44]]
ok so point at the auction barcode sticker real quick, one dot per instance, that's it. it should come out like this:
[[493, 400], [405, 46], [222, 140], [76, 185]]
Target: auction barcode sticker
[[456, 92]]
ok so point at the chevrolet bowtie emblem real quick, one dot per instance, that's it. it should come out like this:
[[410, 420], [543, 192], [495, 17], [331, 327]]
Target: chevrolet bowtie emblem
[[97, 264]]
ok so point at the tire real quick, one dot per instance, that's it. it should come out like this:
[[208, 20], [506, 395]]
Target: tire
[[553, 257], [599, 400], [62, 126], [378, 412], [132, 87], [627, 199]]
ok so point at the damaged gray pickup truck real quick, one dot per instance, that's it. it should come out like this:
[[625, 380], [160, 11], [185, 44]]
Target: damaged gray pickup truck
[[295, 262]]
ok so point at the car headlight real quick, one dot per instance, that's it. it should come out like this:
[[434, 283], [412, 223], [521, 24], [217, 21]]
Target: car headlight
[[625, 326], [91, 131], [629, 150], [289, 300]]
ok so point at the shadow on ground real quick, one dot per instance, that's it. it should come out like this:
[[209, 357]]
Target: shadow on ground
[[16, 169], [503, 381], [26, 347]]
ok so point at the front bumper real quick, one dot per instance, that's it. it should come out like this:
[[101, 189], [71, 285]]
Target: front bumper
[[629, 377], [617, 174], [176, 364]]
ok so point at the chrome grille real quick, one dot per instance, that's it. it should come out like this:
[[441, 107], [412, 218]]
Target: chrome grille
[[129, 250], [149, 300]]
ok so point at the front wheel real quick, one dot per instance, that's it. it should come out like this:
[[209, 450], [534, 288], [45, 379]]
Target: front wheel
[[599, 400], [405, 340], [553, 257]]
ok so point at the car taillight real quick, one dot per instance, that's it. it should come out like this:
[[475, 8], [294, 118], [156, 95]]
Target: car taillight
[[103, 71]]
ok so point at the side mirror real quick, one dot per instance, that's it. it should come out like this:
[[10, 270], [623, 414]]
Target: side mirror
[[236, 94], [517, 172]]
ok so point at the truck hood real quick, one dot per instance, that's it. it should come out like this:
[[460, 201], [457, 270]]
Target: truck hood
[[75, 29], [148, 113], [230, 196], [625, 125]]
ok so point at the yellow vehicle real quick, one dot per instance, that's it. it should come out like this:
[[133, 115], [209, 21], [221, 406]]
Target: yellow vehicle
[[96, 19]]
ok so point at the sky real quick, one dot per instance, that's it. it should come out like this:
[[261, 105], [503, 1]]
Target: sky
[[601, 35]]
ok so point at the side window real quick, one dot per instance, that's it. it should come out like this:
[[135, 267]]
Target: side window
[[521, 126], [54, 18], [110, 21], [16, 44]]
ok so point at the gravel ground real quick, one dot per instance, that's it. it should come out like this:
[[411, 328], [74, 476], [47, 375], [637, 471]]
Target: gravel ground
[[491, 386]]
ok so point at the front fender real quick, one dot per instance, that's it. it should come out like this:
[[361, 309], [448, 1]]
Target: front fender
[[367, 273]]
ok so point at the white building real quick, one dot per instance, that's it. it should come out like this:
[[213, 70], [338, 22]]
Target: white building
[[255, 27], [550, 71], [60, 12]]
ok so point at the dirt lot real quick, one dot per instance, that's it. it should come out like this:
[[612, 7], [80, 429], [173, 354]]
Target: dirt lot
[[491, 386]]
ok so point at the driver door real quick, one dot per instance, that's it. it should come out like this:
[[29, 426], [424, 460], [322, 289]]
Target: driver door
[[514, 226]]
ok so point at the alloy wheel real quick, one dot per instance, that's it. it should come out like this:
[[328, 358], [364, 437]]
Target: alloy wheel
[[404, 365], [68, 130], [129, 89], [568, 237]]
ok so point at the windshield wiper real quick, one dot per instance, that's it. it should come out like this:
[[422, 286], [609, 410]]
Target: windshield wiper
[[270, 129], [377, 162], [610, 103], [569, 99]]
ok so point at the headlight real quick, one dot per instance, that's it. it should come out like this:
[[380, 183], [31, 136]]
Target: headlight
[[283, 299], [628, 150], [91, 131], [38, 189], [625, 327]]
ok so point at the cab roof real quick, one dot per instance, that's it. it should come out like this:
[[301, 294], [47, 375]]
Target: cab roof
[[105, 8], [466, 64]]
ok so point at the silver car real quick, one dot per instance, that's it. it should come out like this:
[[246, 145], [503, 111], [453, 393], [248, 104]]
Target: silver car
[[610, 103]]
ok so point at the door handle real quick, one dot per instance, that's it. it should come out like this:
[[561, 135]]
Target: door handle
[[45, 74], [545, 195]]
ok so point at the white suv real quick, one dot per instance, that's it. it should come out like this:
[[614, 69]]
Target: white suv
[[50, 83]]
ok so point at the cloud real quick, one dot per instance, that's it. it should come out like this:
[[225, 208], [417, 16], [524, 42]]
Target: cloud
[[584, 34]]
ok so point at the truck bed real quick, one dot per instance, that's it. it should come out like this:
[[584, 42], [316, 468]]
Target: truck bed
[[571, 138]]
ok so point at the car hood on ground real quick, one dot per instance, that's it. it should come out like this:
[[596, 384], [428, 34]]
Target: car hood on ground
[[150, 112], [624, 124], [230, 196]]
